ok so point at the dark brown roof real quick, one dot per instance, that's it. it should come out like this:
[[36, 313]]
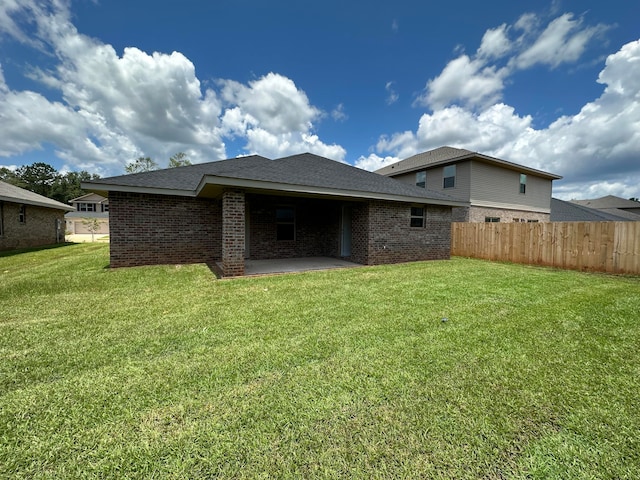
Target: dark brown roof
[[449, 155], [304, 173]]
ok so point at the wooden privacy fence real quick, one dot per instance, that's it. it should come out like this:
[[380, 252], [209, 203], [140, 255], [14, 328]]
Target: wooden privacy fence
[[612, 247]]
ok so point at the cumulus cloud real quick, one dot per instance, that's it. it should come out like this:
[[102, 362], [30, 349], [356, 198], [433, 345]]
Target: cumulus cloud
[[115, 107], [392, 95], [478, 80], [596, 150]]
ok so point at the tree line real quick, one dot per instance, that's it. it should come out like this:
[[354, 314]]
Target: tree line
[[45, 180]]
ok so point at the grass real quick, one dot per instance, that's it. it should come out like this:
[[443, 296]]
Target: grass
[[166, 372]]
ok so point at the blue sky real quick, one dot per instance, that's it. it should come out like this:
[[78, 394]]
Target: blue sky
[[552, 85]]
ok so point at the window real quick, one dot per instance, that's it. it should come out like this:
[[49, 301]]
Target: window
[[285, 223], [449, 175], [417, 216], [532, 221], [105, 207], [1, 219], [523, 183], [22, 215], [421, 179], [491, 219], [86, 207]]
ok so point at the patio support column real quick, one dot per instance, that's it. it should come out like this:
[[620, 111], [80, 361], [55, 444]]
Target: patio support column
[[233, 211]]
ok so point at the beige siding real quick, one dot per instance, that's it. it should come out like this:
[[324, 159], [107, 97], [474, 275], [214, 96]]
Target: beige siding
[[500, 188], [435, 181]]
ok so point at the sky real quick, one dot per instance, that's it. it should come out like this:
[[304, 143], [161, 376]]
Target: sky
[[553, 85]]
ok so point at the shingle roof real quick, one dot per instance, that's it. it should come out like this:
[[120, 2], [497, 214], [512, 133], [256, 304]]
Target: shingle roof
[[297, 173], [11, 193], [562, 211], [609, 201], [448, 155]]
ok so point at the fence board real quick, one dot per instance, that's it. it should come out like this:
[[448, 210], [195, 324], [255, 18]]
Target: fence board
[[612, 247]]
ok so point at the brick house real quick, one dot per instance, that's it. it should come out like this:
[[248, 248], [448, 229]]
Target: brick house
[[255, 208], [28, 219], [496, 190]]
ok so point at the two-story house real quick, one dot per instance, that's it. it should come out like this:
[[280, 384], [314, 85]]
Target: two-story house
[[497, 190], [88, 207]]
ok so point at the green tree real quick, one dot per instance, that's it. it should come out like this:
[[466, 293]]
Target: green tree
[[67, 187], [141, 164], [179, 160], [38, 177], [9, 176], [91, 224]]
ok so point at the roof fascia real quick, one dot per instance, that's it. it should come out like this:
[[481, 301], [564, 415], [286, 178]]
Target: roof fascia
[[325, 191], [35, 203], [482, 158], [100, 188]]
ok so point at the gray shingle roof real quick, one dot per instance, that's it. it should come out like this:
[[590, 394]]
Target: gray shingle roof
[[11, 193], [304, 171], [609, 201], [562, 211], [448, 155]]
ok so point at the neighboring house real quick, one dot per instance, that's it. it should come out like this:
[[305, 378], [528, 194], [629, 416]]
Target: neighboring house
[[613, 205], [496, 190], [256, 208], [28, 219], [88, 207], [562, 211]]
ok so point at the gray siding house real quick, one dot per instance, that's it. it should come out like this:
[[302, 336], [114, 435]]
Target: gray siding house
[[28, 219], [496, 190], [87, 207], [254, 208]]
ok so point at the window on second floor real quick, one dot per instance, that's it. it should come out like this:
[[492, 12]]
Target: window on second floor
[[421, 179], [86, 207], [523, 183], [449, 175]]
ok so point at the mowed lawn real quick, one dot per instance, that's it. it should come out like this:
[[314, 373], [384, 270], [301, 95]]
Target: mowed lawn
[[167, 372]]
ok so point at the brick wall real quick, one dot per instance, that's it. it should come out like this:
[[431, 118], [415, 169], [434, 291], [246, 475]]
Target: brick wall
[[38, 229], [233, 233], [393, 240], [478, 215], [317, 228], [161, 229]]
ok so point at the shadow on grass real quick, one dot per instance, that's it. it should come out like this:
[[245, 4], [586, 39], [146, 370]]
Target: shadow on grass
[[19, 251]]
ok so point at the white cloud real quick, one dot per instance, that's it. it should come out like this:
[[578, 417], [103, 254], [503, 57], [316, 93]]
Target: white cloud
[[374, 162], [117, 107], [563, 41], [338, 113], [468, 81], [392, 95], [602, 141], [477, 81]]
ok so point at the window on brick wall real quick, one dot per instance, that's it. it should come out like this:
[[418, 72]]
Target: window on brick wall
[[421, 179], [449, 176], [491, 219], [285, 223], [22, 214], [417, 216], [1, 219]]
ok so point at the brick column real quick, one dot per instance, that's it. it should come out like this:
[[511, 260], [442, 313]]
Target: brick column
[[233, 233]]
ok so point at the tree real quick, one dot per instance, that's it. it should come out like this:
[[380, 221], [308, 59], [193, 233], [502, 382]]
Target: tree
[[38, 177], [141, 164], [179, 160], [9, 176], [67, 187], [91, 224], [634, 199]]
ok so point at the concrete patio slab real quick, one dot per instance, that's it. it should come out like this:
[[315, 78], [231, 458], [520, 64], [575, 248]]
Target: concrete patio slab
[[288, 265]]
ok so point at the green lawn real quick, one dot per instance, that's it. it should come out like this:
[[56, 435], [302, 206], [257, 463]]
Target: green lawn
[[166, 372]]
